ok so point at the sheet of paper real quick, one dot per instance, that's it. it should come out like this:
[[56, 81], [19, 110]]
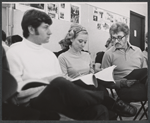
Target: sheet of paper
[[106, 74], [86, 78], [23, 83]]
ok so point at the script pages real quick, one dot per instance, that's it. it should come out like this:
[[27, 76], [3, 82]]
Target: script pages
[[105, 75], [138, 74]]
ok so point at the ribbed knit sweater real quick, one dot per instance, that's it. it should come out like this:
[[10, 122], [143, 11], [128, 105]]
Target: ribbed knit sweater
[[29, 61]]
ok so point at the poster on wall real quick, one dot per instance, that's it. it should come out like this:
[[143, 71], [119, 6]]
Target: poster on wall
[[27, 6], [52, 10], [75, 13], [63, 11], [95, 14], [100, 15], [95, 18], [103, 26], [109, 17], [105, 19]]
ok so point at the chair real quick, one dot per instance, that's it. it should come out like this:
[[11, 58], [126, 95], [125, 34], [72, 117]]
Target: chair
[[136, 93], [9, 85]]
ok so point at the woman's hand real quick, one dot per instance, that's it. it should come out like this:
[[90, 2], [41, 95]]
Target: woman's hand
[[97, 67]]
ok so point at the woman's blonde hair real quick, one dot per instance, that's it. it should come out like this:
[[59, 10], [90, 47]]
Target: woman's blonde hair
[[73, 32]]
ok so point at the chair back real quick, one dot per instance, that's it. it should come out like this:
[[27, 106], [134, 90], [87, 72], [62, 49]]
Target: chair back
[[9, 85]]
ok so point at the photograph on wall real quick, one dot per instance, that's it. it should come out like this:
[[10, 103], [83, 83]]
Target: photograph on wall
[[52, 9], [95, 18], [125, 20], [61, 15], [62, 5], [99, 26], [106, 26], [64, 11], [95, 14], [52, 15], [27, 6], [95, 10], [39, 6], [109, 17], [75, 13], [118, 18], [100, 14]]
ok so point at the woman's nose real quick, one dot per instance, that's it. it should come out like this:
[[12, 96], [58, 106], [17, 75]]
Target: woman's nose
[[83, 44]]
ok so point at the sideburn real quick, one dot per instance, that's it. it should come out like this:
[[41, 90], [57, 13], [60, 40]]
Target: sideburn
[[36, 31]]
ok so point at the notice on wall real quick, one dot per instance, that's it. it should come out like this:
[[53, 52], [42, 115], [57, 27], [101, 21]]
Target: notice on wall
[[64, 13], [52, 10], [104, 19], [27, 6], [75, 13]]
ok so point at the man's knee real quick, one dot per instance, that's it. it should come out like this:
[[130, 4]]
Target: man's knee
[[60, 82], [57, 81]]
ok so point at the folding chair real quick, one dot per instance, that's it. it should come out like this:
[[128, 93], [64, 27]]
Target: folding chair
[[135, 93], [113, 96], [144, 109]]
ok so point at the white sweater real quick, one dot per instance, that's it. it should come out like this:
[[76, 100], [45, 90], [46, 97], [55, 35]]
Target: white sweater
[[29, 61]]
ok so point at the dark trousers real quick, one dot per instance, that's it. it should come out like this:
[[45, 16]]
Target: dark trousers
[[71, 100], [137, 92], [13, 112]]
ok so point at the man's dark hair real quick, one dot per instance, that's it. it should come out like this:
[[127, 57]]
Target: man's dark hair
[[3, 36], [34, 18]]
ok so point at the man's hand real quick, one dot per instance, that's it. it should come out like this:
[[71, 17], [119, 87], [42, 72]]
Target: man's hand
[[126, 83]]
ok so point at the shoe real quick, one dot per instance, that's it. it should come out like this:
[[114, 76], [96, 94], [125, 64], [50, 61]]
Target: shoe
[[124, 109]]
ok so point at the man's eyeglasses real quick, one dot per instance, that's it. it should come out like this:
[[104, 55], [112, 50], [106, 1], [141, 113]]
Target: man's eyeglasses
[[119, 38]]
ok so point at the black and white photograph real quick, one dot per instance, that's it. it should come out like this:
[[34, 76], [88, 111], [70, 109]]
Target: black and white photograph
[[99, 26], [74, 61], [75, 14], [95, 18], [39, 6], [62, 15], [26, 6], [52, 8], [62, 5], [52, 15]]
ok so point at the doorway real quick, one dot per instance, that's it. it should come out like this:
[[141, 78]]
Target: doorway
[[137, 30]]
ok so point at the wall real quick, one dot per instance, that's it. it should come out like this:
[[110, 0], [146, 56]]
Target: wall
[[123, 8], [97, 38], [4, 19], [59, 28]]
